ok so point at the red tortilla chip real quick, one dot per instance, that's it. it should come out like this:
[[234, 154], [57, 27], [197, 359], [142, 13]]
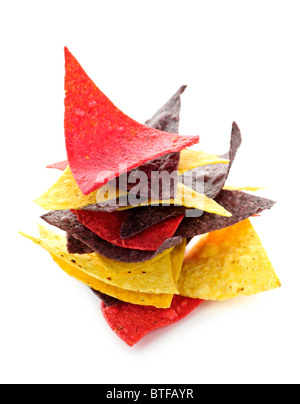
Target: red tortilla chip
[[62, 165], [108, 227], [100, 139], [132, 322]]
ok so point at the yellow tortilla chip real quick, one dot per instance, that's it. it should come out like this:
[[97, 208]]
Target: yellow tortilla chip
[[245, 188], [155, 277], [177, 257], [143, 299], [111, 265], [227, 263], [191, 199], [160, 301], [190, 159], [50, 235], [65, 193]]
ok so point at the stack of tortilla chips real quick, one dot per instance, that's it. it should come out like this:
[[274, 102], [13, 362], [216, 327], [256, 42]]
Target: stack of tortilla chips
[[133, 255]]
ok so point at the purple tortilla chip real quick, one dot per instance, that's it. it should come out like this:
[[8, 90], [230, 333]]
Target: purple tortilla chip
[[104, 207], [107, 300], [75, 246], [214, 176], [168, 163], [140, 219], [241, 205], [166, 119], [67, 221]]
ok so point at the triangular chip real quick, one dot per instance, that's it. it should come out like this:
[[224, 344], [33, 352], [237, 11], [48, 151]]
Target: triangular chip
[[61, 165], [165, 119], [241, 205], [108, 227], [214, 176], [191, 199], [167, 164], [154, 277], [101, 141], [131, 322], [140, 219], [47, 234], [68, 222], [65, 194], [74, 246], [144, 299], [227, 263], [110, 294], [185, 197], [108, 300], [242, 188], [191, 159], [177, 257]]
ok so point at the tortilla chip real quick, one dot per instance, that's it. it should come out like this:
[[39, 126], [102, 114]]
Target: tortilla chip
[[131, 322], [227, 263], [181, 162], [75, 246], [154, 277], [106, 299], [171, 163], [243, 188], [177, 256], [214, 176], [50, 235], [68, 222], [47, 234], [167, 117], [186, 197], [191, 159], [65, 194], [61, 165], [241, 205], [118, 294], [101, 141], [140, 219], [110, 294], [105, 291], [165, 164], [108, 227], [191, 199]]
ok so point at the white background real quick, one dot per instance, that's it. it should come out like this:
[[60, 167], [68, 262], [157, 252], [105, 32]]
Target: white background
[[241, 61]]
